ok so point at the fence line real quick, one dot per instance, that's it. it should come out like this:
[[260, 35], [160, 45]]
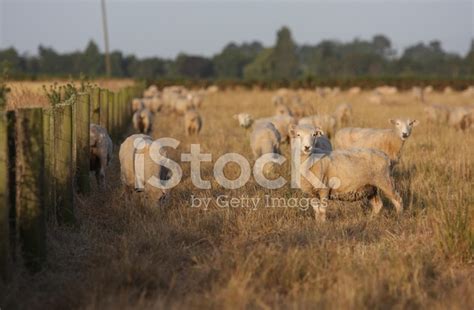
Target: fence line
[[45, 160]]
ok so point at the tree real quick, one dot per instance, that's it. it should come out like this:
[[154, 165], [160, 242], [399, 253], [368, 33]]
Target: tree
[[382, 46], [261, 68], [193, 66], [91, 60], [231, 61], [469, 60], [284, 58]]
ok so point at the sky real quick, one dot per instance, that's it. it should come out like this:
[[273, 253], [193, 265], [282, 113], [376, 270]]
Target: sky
[[166, 28]]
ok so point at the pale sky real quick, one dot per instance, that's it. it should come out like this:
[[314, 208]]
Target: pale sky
[[166, 28]]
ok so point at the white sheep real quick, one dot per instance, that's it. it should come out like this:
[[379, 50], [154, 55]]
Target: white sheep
[[326, 122], [137, 104], [305, 132], [436, 113], [142, 121], [418, 93], [182, 104], [282, 109], [461, 118], [265, 139], [390, 141], [101, 149], [151, 92], [245, 119], [281, 123], [354, 90], [350, 175], [376, 98], [192, 122], [138, 171], [213, 89], [343, 114], [153, 104]]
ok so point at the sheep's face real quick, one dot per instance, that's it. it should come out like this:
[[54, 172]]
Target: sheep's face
[[282, 109], [404, 127], [306, 135]]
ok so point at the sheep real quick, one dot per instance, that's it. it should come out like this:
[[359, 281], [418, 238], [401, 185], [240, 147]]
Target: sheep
[[137, 167], [213, 89], [245, 120], [390, 141], [386, 90], [324, 121], [182, 104], [298, 107], [281, 123], [137, 104], [101, 148], [447, 90], [461, 118], [282, 109], [376, 98], [418, 93], [437, 113], [153, 104], [289, 105], [196, 99], [350, 175], [343, 114], [354, 90], [305, 131], [142, 121], [279, 99], [151, 92], [264, 139], [192, 122], [468, 92]]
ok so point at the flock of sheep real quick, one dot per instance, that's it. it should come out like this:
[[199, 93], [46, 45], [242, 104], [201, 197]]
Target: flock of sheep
[[358, 167]]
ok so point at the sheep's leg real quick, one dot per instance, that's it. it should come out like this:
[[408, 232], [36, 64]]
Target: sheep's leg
[[388, 189], [100, 172], [320, 206], [376, 203]]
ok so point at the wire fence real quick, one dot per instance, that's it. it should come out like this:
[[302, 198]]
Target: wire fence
[[44, 165]]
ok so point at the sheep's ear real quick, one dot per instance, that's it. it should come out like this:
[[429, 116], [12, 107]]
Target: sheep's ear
[[392, 121], [319, 132], [414, 123], [292, 130]]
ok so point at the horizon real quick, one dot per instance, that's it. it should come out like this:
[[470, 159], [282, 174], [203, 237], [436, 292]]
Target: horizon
[[214, 25]]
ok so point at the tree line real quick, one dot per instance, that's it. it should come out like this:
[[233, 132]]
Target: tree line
[[254, 62]]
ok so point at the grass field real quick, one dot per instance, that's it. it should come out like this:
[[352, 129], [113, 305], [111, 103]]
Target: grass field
[[124, 254]]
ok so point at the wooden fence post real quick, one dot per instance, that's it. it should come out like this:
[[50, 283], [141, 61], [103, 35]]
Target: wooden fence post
[[111, 122], [29, 178], [4, 197], [104, 109], [49, 155], [95, 106], [82, 129], [63, 168]]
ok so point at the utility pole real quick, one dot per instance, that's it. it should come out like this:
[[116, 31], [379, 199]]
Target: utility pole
[[106, 39]]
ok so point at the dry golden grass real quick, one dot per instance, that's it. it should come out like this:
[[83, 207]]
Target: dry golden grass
[[31, 93], [123, 254]]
